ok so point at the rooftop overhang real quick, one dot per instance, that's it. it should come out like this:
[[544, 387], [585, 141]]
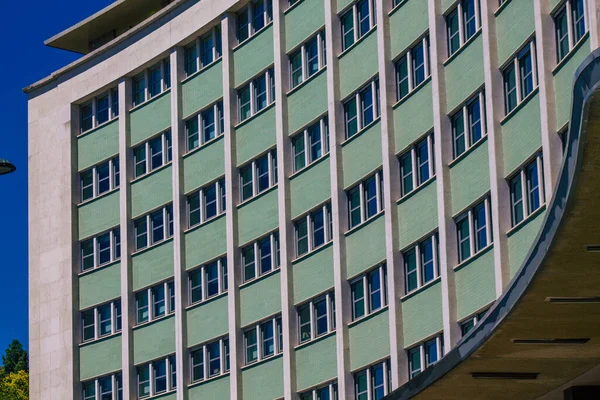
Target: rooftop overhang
[[105, 25], [544, 331]]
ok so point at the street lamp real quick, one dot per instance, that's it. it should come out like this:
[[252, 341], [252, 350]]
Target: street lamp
[[6, 167]]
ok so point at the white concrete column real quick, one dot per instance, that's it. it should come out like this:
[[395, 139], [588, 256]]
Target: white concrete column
[[391, 183], [338, 201], [232, 190], [127, 246], [284, 170], [494, 106], [592, 21], [443, 155], [546, 54], [180, 281]]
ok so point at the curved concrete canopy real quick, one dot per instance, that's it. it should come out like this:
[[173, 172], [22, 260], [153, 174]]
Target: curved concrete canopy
[[554, 295]]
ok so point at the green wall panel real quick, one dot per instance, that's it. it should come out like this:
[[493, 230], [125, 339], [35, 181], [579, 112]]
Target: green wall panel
[[154, 340], [98, 145], [316, 363], [99, 215], [307, 102], [407, 23], [263, 381], [464, 73], [514, 24], [151, 191], [204, 165], [422, 314], [215, 389], [470, 178], [152, 117], [417, 215], [100, 357], [359, 64], [206, 242], [521, 240], [554, 3], [310, 187], [413, 117], [202, 89], [255, 136], [361, 155], [207, 321], [563, 83], [258, 217], [475, 284], [365, 246], [341, 4], [313, 274], [152, 265], [260, 299], [369, 340], [245, 60], [302, 21], [100, 286], [521, 135], [446, 4]]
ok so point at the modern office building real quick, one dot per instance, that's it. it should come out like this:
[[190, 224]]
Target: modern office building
[[304, 199]]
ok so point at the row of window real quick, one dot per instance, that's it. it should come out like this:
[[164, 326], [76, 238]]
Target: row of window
[[156, 377], [256, 95], [151, 82], [204, 126], [152, 154], [101, 321], [203, 51], [258, 175], [313, 230], [99, 110], [569, 25], [99, 179], [252, 18], [424, 355], [308, 59], [209, 360], [108, 387], [100, 250], [260, 257], [155, 302], [316, 317], [208, 281], [262, 341], [357, 22], [365, 200], [153, 228], [361, 108], [206, 203]]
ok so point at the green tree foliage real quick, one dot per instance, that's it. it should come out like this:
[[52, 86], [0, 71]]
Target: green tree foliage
[[15, 386], [15, 358]]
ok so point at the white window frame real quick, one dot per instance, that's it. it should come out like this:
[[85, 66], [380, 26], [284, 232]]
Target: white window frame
[[168, 309], [514, 62], [214, 32], [475, 319], [219, 128], [112, 112], [409, 62], [170, 360], [354, 10], [363, 203], [468, 214], [278, 346], [357, 97], [272, 162], [274, 237], [525, 188], [307, 144], [113, 320], [416, 247], [221, 277], [328, 234], [567, 7], [269, 75], [206, 361], [415, 170], [113, 163], [369, 372], [96, 250], [421, 348], [329, 299], [115, 379], [148, 161], [249, 9], [364, 277], [322, 62], [461, 25], [219, 185], [332, 386], [164, 83], [149, 229], [464, 110]]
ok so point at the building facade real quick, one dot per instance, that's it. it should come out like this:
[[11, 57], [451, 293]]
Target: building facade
[[288, 198]]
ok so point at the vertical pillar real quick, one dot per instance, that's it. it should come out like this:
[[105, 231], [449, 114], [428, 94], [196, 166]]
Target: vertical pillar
[[73, 130], [443, 156], [284, 170], [127, 301], [592, 18], [338, 201], [398, 359], [232, 190]]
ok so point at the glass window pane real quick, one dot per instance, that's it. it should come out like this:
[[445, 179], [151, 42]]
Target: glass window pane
[[158, 300], [351, 118], [458, 133], [402, 77], [410, 266], [301, 237], [248, 262], [453, 32], [296, 67], [247, 182], [464, 244], [212, 279], [210, 201], [299, 152], [533, 187], [354, 207], [251, 346], [347, 30], [516, 199], [358, 299], [427, 263], [141, 304], [264, 247], [304, 323]]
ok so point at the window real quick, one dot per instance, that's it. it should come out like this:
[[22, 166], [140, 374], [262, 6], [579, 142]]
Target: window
[[462, 23], [208, 281], [100, 109], [152, 82], [260, 257], [310, 144], [154, 227], [421, 263], [156, 377], [526, 190], [313, 230], [206, 203], [362, 108], [253, 18], [365, 200], [258, 175], [369, 292], [152, 154], [520, 77], [209, 360], [263, 340], [100, 250], [417, 165], [357, 22], [101, 321], [256, 95], [569, 26], [473, 230], [323, 392], [99, 179], [412, 68], [468, 124], [469, 323], [307, 60], [205, 126], [203, 51], [110, 387], [372, 383], [316, 317], [423, 355], [155, 302]]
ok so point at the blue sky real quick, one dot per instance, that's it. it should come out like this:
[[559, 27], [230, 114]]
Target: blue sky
[[25, 60]]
